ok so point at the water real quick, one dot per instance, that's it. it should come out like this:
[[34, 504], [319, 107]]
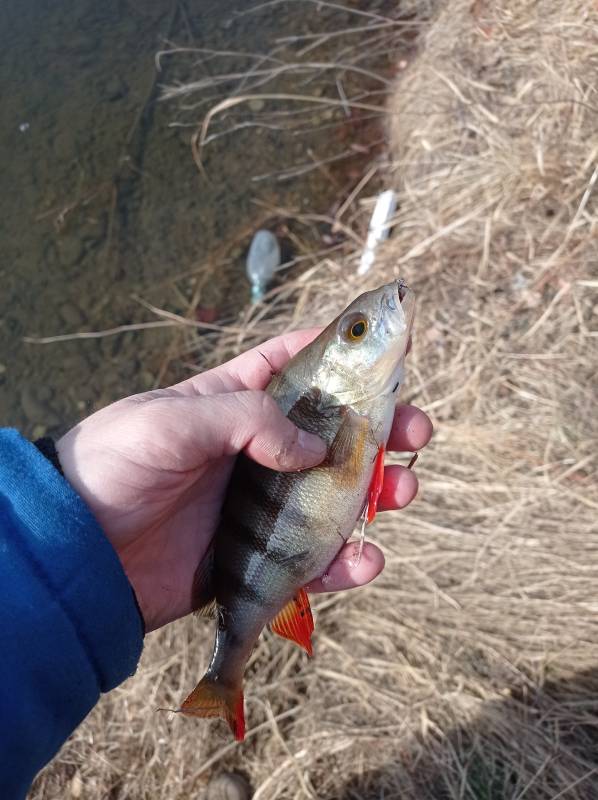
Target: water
[[102, 202]]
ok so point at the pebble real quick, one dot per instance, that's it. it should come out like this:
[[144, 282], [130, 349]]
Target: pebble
[[228, 786], [206, 314], [146, 379], [2, 369], [34, 405], [115, 88], [44, 392], [39, 431], [70, 249], [256, 104]]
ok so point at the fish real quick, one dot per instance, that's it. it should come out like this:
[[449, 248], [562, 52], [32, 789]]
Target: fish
[[281, 530]]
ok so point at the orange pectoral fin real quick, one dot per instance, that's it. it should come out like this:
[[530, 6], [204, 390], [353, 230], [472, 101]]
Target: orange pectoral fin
[[375, 485], [295, 622]]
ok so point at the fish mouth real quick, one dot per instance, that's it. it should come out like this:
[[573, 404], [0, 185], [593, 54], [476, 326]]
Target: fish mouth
[[402, 289], [406, 300]]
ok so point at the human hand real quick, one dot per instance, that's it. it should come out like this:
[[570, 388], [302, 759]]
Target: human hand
[[154, 469]]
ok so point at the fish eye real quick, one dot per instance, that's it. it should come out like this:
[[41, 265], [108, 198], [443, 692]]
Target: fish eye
[[356, 328]]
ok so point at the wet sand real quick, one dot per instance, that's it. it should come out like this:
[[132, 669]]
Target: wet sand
[[102, 200]]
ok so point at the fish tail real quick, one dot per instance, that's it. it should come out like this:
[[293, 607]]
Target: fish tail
[[210, 698]]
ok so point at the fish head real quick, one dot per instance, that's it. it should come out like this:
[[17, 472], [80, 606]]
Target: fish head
[[364, 348]]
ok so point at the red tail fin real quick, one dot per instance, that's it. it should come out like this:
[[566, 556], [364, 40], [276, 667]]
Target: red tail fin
[[212, 699]]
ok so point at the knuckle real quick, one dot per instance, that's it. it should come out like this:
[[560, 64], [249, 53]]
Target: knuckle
[[261, 404]]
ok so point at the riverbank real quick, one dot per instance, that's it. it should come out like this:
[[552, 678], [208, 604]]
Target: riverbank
[[103, 204]]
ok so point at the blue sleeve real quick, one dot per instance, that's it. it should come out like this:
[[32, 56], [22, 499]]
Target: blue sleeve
[[69, 624]]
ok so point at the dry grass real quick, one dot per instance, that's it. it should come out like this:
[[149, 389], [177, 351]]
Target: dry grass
[[470, 668], [307, 84]]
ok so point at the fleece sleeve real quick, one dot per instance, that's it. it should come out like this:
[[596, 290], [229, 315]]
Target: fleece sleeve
[[69, 624]]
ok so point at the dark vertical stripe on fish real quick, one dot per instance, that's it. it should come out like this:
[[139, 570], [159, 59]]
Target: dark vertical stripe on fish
[[237, 587], [262, 495]]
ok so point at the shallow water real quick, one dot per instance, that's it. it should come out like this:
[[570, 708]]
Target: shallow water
[[101, 200]]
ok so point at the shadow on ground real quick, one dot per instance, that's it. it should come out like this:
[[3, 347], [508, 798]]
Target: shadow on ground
[[537, 743]]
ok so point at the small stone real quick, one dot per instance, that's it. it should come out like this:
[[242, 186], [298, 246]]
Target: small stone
[[147, 379], [115, 88], [44, 393], [35, 407], [70, 249], [2, 369], [206, 314], [256, 104], [228, 786], [39, 431]]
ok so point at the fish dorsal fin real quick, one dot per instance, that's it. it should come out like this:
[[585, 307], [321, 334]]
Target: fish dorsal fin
[[295, 622]]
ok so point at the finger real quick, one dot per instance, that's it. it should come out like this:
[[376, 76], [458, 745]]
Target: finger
[[346, 573], [399, 488], [411, 429], [213, 426], [253, 369]]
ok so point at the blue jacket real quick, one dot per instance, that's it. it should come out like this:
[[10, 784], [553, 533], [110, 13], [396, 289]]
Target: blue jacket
[[69, 624]]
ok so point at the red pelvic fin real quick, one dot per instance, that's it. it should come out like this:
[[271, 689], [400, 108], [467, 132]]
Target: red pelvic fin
[[295, 622], [212, 699], [375, 485]]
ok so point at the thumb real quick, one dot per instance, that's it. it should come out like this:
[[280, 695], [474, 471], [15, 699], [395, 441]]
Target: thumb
[[250, 421]]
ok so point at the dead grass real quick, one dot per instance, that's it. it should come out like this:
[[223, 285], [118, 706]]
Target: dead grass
[[469, 669]]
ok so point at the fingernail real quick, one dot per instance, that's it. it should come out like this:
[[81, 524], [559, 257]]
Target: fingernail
[[312, 444]]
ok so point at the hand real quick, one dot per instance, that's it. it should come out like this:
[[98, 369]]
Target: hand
[[154, 468]]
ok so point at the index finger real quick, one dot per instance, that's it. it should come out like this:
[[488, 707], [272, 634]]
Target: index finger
[[254, 368]]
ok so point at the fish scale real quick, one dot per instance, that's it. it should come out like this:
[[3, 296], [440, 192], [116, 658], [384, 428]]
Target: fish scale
[[280, 531]]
